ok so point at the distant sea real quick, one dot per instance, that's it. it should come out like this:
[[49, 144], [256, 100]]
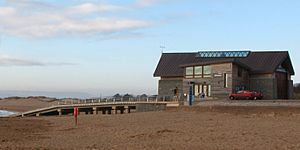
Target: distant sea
[[4, 113], [4, 94]]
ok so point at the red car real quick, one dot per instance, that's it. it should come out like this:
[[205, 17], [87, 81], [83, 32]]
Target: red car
[[246, 94], [257, 95]]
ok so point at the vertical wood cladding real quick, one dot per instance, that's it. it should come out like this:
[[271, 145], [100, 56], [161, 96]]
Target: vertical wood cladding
[[240, 78], [217, 84], [216, 81], [282, 85], [266, 83], [272, 85]]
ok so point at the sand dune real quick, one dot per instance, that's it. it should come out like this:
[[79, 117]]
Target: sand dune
[[25, 104]]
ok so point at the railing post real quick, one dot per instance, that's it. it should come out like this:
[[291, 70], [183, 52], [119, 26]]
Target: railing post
[[95, 111], [147, 99], [59, 112]]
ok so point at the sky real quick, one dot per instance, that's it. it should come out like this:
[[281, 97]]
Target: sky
[[91, 48]]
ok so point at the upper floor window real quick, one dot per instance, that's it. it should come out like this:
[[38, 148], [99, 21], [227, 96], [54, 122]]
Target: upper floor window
[[189, 72], [198, 72], [206, 71]]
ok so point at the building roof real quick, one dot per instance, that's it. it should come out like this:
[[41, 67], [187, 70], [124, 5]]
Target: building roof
[[172, 64]]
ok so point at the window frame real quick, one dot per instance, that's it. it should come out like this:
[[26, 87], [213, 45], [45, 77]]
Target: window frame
[[225, 80], [206, 75], [201, 75], [189, 76]]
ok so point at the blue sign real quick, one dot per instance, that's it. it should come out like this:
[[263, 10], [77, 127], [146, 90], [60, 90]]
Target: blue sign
[[191, 96]]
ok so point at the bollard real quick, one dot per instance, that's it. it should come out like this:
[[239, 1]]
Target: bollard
[[75, 115]]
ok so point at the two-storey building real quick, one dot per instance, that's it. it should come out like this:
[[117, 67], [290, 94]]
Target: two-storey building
[[218, 73]]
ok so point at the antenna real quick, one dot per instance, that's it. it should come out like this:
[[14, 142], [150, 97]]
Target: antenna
[[162, 48]]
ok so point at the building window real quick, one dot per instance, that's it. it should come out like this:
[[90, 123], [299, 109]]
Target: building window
[[209, 91], [202, 88], [189, 71], [198, 72], [225, 80], [206, 71]]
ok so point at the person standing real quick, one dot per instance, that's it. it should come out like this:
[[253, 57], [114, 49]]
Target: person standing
[[176, 93], [202, 96]]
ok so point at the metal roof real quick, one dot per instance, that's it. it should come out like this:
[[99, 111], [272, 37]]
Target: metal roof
[[219, 54]]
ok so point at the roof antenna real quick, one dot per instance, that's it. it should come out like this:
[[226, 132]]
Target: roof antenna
[[162, 48]]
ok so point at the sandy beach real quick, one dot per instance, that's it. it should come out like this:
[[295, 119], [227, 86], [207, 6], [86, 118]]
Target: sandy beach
[[177, 128], [26, 104]]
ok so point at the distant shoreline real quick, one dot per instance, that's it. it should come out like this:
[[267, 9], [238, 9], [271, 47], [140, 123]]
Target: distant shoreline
[[5, 113]]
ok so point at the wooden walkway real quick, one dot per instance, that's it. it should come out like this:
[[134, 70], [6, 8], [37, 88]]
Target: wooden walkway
[[95, 108]]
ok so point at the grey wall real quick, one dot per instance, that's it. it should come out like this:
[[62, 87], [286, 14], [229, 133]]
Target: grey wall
[[150, 107], [166, 87], [290, 89], [266, 85]]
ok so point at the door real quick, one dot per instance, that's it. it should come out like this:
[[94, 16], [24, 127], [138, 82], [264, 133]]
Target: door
[[205, 88], [282, 85]]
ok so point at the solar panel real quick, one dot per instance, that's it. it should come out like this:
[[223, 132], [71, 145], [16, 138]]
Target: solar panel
[[220, 54]]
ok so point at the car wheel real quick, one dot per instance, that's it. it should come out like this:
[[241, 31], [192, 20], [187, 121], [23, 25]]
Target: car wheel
[[231, 98], [255, 98], [247, 98]]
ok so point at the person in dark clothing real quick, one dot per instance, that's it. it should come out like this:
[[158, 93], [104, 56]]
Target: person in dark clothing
[[176, 91], [202, 96]]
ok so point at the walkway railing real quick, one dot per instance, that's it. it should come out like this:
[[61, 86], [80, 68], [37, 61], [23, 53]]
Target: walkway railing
[[114, 100]]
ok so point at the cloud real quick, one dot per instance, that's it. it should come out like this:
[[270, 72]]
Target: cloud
[[146, 3], [6, 60], [91, 8], [19, 18]]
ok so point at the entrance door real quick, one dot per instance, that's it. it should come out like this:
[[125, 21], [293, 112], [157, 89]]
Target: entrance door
[[282, 85], [205, 88]]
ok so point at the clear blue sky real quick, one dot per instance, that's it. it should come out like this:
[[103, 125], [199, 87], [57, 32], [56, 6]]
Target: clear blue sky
[[113, 46]]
